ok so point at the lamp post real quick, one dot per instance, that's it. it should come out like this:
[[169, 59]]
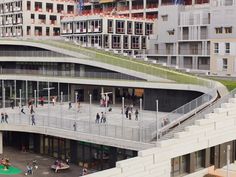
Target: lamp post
[[140, 118], [20, 98], [157, 122], [90, 112], [61, 107], [35, 98], [48, 89], [4, 97], [123, 111]]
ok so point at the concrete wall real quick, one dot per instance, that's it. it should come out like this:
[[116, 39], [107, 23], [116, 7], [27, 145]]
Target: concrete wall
[[216, 128]]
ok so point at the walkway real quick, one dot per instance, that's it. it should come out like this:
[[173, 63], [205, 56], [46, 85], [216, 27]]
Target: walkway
[[52, 118]]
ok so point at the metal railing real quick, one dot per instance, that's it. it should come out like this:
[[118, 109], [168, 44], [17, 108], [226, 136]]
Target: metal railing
[[70, 73], [200, 115], [74, 124], [174, 118], [35, 53]]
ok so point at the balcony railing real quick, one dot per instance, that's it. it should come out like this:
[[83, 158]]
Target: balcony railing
[[69, 73]]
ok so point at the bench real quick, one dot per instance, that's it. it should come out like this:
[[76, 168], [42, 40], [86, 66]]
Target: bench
[[60, 167]]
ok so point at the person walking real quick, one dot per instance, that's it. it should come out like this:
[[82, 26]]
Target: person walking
[[6, 117], [102, 117], [2, 118], [97, 118], [75, 126], [22, 109], [136, 114], [70, 105], [129, 114], [33, 119]]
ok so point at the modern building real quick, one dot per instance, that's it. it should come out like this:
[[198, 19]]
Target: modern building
[[59, 70], [222, 36], [183, 37], [22, 18], [117, 33]]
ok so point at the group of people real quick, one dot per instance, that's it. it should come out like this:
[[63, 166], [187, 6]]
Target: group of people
[[4, 117], [5, 162], [31, 167], [100, 119], [129, 111]]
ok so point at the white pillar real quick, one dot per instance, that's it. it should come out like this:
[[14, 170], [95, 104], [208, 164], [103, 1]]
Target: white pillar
[[123, 112], [157, 121], [114, 96], [26, 92], [35, 98], [90, 112], [144, 9], [228, 159], [1, 143], [4, 97], [20, 99], [140, 118], [15, 92]]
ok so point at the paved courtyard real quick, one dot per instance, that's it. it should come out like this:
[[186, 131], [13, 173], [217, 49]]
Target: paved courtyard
[[20, 159]]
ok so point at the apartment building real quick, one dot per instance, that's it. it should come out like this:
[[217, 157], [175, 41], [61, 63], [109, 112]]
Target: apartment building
[[182, 37], [117, 33], [30, 18], [223, 38]]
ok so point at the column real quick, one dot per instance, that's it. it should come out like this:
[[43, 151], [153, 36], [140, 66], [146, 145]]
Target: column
[[1, 143], [37, 90], [2, 90], [114, 95], [144, 8], [26, 92], [15, 92], [130, 8], [58, 91]]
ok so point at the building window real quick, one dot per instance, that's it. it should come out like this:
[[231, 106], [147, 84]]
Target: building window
[[227, 47], [28, 5], [110, 26], [149, 29], [228, 30], [225, 64], [179, 165], [199, 159], [216, 47], [144, 42], [106, 41], [135, 42], [125, 42], [120, 27], [116, 42], [129, 27], [164, 17], [138, 28], [219, 30]]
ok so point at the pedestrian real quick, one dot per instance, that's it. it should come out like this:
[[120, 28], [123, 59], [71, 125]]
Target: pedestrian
[[136, 114], [97, 118], [2, 118], [22, 109], [53, 101], [129, 113], [70, 105], [41, 101], [75, 126], [12, 104], [33, 119], [85, 171], [32, 109], [126, 112], [29, 169], [102, 117], [6, 117]]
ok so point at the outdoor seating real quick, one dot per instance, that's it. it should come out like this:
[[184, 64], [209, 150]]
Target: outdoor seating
[[60, 167]]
